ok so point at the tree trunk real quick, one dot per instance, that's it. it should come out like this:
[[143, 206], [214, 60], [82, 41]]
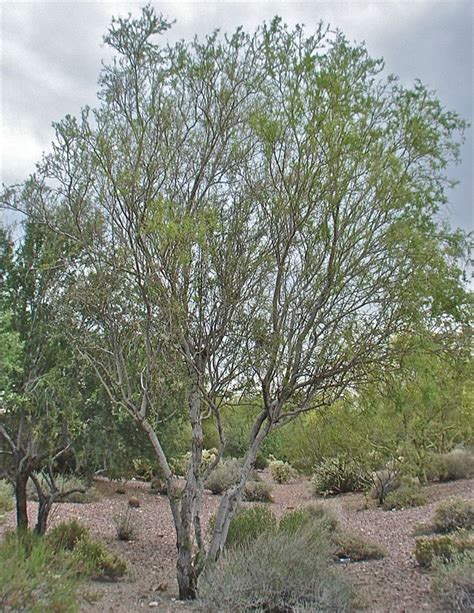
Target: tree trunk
[[44, 508], [185, 572], [21, 501], [230, 500]]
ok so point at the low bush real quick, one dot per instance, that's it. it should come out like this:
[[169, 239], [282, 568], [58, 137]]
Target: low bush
[[277, 572], [126, 525], [383, 482], [453, 583], [144, 469], [97, 562], [258, 491], [34, 577], [180, 465], [338, 476], [442, 548], [66, 535], [452, 466], [322, 521], [409, 494], [356, 547], [248, 524], [281, 471], [261, 462], [318, 516], [223, 476], [454, 515]]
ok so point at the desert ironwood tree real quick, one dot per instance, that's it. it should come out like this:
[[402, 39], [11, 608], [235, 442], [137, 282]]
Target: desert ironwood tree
[[254, 214]]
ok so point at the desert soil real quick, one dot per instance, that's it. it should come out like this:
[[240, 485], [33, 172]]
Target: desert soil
[[393, 584]]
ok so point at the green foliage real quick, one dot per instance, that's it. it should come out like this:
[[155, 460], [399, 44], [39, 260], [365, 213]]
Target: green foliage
[[442, 548], [261, 462], [277, 571], [337, 431], [66, 535], [34, 577], [425, 408], [453, 583], [338, 476], [258, 491], [454, 514], [248, 524], [281, 471], [97, 562], [144, 468], [409, 494]]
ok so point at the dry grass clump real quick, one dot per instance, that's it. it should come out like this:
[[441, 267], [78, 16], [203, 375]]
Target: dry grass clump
[[278, 571], [454, 514], [258, 491]]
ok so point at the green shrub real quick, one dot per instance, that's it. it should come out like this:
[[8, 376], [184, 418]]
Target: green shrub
[[223, 476], [338, 476], [318, 516], [35, 578], [356, 547], [443, 547], [453, 583], [248, 524], [277, 572], [258, 491], [457, 464], [144, 469], [66, 535], [453, 515], [409, 494], [281, 471], [261, 462], [180, 465], [97, 562]]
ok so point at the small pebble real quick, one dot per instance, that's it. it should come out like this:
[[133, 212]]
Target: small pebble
[[153, 604]]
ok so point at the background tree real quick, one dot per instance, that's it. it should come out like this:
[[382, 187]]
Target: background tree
[[250, 216], [40, 383]]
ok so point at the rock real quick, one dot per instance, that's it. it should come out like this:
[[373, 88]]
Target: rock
[[133, 502], [153, 604], [120, 490]]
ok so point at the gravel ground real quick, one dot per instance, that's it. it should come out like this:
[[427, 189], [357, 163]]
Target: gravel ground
[[393, 584]]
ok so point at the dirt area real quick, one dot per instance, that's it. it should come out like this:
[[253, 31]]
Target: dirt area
[[393, 584]]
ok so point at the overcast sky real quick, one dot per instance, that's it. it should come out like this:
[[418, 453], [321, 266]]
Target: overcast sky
[[52, 51]]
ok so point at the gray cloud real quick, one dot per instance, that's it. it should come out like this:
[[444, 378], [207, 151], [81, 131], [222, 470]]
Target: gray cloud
[[52, 55]]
